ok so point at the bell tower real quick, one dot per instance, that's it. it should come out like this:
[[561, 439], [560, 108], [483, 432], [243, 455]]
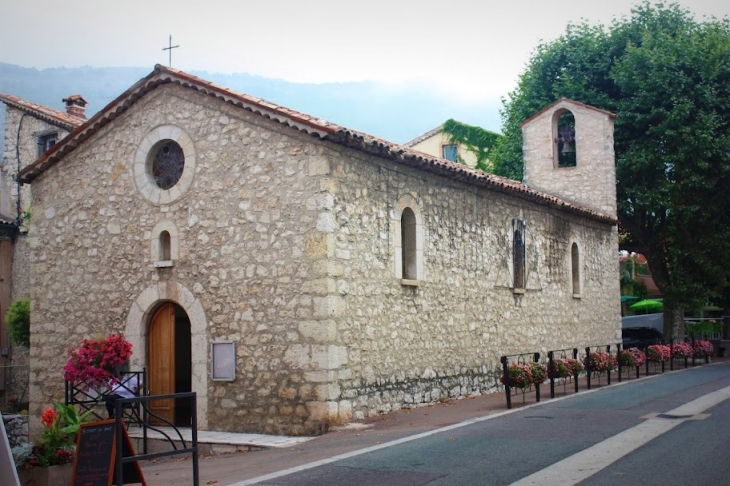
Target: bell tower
[[568, 153]]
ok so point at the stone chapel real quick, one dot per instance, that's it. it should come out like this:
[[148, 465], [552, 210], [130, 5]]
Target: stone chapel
[[296, 274]]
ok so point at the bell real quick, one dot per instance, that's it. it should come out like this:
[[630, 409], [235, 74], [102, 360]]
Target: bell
[[568, 147]]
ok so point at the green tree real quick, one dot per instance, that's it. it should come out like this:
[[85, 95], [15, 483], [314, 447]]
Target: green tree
[[667, 77], [18, 319]]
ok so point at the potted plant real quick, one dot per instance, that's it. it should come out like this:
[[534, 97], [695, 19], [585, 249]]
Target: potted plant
[[681, 350], [48, 461], [566, 368], [96, 360], [656, 353], [632, 357], [538, 372], [600, 362], [702, 348], [519, 376], [626, 359]]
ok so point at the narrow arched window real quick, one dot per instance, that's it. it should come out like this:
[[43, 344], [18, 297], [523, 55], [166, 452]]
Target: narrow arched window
[[518, 253], [565, 140], [165, 246], [575, 268], [408, 242]]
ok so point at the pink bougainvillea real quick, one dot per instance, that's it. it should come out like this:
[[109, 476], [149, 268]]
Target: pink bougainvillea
[[94, 361]]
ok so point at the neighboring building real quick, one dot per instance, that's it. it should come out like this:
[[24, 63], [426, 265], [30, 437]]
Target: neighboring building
[[457, 142], [338, 275], [30, 130]]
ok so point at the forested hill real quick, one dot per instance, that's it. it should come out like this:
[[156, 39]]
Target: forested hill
[[395, 114]]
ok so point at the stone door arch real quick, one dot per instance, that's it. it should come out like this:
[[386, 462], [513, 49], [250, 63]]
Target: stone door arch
[[140, 316]]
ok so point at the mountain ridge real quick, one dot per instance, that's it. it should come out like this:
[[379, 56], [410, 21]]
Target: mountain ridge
[[394, 114]]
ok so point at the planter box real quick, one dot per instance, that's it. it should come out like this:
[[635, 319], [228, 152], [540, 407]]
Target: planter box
[[46, 476]]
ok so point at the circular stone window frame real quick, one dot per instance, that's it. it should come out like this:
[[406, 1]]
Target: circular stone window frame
[[143, 180]]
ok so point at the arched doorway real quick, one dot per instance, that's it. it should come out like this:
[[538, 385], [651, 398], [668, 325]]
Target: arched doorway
[[169, 363]]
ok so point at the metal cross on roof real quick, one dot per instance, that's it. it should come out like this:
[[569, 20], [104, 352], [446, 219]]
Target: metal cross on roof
[[169, 48]]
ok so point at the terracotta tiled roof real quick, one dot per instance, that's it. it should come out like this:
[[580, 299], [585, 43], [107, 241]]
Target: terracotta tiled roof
[[59, 118], [308, 124], [425, 136], [588, 107]]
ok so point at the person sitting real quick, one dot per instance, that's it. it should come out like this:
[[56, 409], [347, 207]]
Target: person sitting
[[120, 387]]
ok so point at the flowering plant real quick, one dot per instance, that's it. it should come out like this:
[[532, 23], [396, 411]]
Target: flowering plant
[[519, 376], [626, 359], [682, 350], [57, 442], [657, 353], [95, 360], [631, 357], [539, 373], [638, 355], [703, 347], [600, 362], [566, 367]]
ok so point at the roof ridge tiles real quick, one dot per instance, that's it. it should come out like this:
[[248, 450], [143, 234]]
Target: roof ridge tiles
[[303, 122]]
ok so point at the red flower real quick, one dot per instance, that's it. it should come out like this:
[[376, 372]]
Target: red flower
[[48, 417]]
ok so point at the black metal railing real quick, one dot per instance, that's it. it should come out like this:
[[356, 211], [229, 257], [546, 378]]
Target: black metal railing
[[143, 402], [523, 358], [552, 367], [658, 365]]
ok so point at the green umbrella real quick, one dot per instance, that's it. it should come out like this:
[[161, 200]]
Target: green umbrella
[[648, 305]]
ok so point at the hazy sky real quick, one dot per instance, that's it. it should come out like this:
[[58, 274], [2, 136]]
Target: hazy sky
[[473, 49]]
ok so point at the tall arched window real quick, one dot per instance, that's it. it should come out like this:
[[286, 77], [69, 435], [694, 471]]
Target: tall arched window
[[407, 236], [575, 268], [165, 247], [408, 243], [518, 253]]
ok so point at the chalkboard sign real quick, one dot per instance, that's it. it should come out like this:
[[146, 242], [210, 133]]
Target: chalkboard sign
[[96, 449]]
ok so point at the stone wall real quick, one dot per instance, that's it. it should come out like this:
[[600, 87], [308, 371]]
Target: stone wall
[[30, 128], [249, 256], [284, 244], [16, 426], [408, 345]]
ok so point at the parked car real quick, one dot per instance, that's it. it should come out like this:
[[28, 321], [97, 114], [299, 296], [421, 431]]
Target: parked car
[[640, 337]]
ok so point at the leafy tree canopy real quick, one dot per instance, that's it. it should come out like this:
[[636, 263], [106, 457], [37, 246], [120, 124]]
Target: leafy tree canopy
[[18, 319], [667, 77]]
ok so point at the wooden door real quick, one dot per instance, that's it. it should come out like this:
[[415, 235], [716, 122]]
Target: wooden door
[[162, 363]]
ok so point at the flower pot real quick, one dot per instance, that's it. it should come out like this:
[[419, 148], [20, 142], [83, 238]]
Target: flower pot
[[46, 476]]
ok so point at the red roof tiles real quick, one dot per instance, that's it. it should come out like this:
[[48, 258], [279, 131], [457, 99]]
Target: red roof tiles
[[308, 124], [59, 118]]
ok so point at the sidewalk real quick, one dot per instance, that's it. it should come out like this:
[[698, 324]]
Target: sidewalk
[[228, 468]]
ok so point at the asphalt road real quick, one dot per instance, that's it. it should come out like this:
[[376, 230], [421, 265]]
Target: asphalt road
[[669, 429]]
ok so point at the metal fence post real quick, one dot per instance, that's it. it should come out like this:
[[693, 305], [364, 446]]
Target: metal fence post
[[505, 374], [618, 359], [588, 366], [536, 359], [551, 373]]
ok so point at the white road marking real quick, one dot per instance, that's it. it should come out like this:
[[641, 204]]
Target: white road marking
[[588, 462]]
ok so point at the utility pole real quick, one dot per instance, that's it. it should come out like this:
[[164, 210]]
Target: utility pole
[[169, 48]]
